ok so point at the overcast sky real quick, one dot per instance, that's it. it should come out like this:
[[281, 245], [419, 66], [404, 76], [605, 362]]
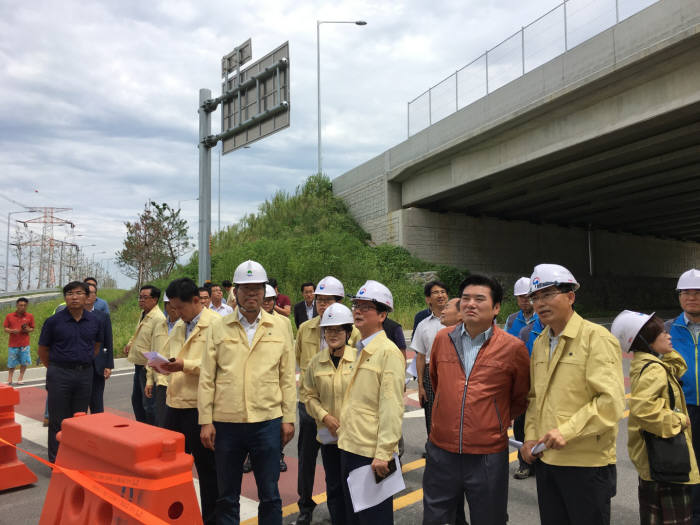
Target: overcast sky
[[98, 100]]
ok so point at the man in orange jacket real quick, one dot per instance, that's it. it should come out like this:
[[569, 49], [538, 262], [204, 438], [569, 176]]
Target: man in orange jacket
[[481, 377]]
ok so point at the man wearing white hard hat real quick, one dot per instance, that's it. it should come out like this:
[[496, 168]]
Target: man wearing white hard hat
[[657, 411], [310, 341], [515, 323], [480, 375], [685, 334], [326, 379], [576, 399], [372, 412], [247, 396]]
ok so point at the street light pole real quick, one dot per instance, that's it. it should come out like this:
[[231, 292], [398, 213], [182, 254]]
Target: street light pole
[[318, 78]]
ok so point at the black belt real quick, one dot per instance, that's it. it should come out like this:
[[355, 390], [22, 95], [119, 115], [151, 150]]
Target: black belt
[[72, 366]]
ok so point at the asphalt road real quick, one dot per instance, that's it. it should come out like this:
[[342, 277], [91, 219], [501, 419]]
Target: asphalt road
[[24, 505]]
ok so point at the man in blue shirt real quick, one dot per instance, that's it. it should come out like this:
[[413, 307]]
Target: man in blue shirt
[[100, 304], [69, 342]]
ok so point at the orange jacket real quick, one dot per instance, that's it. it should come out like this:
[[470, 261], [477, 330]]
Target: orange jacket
[[473, 417]]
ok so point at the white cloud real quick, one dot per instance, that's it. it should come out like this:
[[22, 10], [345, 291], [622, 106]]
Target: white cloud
[[98, 100]]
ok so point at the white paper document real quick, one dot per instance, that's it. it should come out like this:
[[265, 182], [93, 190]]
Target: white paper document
[[155, 360], [325, 436], [366, 492], [515, 443], [540, 447]]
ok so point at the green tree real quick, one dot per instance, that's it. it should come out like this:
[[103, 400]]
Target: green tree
[[153, 243]]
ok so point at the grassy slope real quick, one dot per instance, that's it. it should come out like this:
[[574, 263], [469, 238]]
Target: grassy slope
[[124, 313]]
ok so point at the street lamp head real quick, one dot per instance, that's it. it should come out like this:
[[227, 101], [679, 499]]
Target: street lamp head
[[361, 23]]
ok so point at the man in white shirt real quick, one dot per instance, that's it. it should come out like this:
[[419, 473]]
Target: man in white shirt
[[422, 340], [217, 301]]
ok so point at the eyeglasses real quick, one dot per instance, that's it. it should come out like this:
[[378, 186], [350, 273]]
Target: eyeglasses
[[324, 299], [545, 297], [333, 330], [438, 292], [144, 297], [689, 293], [363, 307]]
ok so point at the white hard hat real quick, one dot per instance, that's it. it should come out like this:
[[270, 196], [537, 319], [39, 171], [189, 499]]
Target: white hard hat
[[165, 298], [522, 286], [329, 285], [377, 292], [269, 291], [249, 272], [689, 280], [546, 275], [627, 325], [336, 314]]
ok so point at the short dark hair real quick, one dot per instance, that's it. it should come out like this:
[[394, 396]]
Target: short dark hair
[[74, 285], [183, 289], [22, 300], [484, 280], [272, 282], [648, 334], [427, 290], [90, 279], [214, 285], [304, 285], [154, 290], [204, 289], [226, 283], [381, 307]]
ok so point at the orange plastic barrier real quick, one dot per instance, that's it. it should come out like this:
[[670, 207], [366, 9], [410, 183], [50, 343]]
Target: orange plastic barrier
[[13, 473], [110, 469]]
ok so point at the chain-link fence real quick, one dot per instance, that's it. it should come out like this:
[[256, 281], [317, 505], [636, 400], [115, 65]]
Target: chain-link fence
[[552, 34]]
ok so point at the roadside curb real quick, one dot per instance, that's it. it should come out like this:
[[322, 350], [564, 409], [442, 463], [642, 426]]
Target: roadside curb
[[39, 372]]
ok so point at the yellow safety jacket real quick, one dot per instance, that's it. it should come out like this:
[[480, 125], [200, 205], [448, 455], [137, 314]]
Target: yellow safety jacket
[[308, 344], [151, 335], [325, 385], [183, 386], [650, 408], [579, 391], [372, 412], [239, 383]]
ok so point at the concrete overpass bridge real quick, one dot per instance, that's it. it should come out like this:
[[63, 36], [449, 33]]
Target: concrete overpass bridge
[[591, 160]]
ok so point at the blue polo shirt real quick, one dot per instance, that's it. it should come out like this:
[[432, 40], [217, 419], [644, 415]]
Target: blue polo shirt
[[71, 342]]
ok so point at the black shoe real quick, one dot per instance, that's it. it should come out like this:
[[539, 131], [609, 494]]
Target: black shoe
[[283, 465], [247, 466], [522, 473]]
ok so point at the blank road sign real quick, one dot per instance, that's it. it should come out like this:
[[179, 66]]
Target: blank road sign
[[256, 104]]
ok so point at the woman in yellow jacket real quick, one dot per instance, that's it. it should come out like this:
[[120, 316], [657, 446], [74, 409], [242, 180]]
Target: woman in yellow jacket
[[325, 381], [655, 368]]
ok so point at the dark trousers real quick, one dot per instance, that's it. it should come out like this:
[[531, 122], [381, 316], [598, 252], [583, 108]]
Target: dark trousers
[[430, 395], [68, 393], [185, 421], [307, 450], [144, 410], [97, 404], [160, 393], [334, 483], [381, 514], [235, 441], [482, 478], [519, 434], [694, 413], [575, 495], [664, 503]]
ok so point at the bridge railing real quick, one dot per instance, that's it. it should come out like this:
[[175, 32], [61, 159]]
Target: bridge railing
[[552, 34]]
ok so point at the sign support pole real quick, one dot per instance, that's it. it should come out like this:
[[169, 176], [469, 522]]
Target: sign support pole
[[204, 188]]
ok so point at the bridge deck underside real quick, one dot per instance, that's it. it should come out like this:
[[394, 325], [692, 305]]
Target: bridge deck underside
[[644, 179]]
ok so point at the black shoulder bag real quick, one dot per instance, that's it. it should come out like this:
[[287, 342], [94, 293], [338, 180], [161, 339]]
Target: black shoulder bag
[[669, 459]]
